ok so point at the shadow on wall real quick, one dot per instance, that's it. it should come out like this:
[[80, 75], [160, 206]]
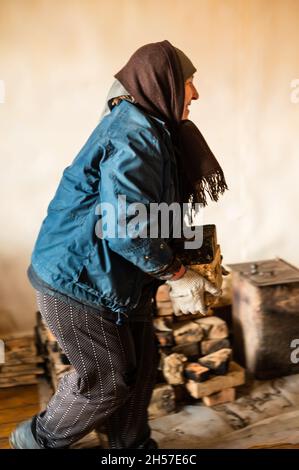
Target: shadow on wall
[[17, 297]]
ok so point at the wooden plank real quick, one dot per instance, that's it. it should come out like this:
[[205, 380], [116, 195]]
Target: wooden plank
[[10, 415], [234, 377], [24, 369], [20, 346], [7, 428], [4, 443], [24, 360], [22, 356], [16, 405], [17, 399], [24, 391], [14, 381], [16, 402], [19, 343]]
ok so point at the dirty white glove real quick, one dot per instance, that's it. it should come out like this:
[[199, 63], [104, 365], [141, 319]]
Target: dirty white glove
[[187, 293]]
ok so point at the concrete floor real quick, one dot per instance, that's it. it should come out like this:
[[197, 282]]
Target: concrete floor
[[265, 414]]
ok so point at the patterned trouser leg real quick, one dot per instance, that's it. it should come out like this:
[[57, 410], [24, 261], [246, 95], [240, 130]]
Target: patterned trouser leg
[[128, 425], [112, 381]]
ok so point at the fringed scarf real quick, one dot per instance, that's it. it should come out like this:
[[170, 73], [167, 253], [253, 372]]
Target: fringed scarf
[[154, 77]]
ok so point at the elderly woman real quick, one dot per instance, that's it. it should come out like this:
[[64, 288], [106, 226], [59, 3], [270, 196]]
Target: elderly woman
[[95, 290]]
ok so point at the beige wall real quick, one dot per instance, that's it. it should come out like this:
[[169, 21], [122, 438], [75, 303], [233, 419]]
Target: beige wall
[[57, 58]]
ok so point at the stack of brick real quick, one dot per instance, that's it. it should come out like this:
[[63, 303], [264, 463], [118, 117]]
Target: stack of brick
[[195, 353]]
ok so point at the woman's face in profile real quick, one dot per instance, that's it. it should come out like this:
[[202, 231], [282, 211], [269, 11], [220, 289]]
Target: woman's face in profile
[[191, 93]]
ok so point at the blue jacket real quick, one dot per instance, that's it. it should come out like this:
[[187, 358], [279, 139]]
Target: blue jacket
[[129, 153]]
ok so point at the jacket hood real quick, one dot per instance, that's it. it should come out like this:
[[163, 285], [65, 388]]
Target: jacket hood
[[116, 90]]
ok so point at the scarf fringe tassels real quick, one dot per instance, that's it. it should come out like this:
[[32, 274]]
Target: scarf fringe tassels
[[214, 185]]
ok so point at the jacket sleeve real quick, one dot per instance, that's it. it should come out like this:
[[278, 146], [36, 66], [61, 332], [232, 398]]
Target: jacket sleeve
[[131, 179]]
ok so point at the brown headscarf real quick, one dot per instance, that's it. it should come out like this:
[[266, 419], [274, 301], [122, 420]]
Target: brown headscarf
[[154, 76]]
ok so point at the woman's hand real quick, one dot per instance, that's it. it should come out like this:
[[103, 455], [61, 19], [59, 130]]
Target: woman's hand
[[187, 293]]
